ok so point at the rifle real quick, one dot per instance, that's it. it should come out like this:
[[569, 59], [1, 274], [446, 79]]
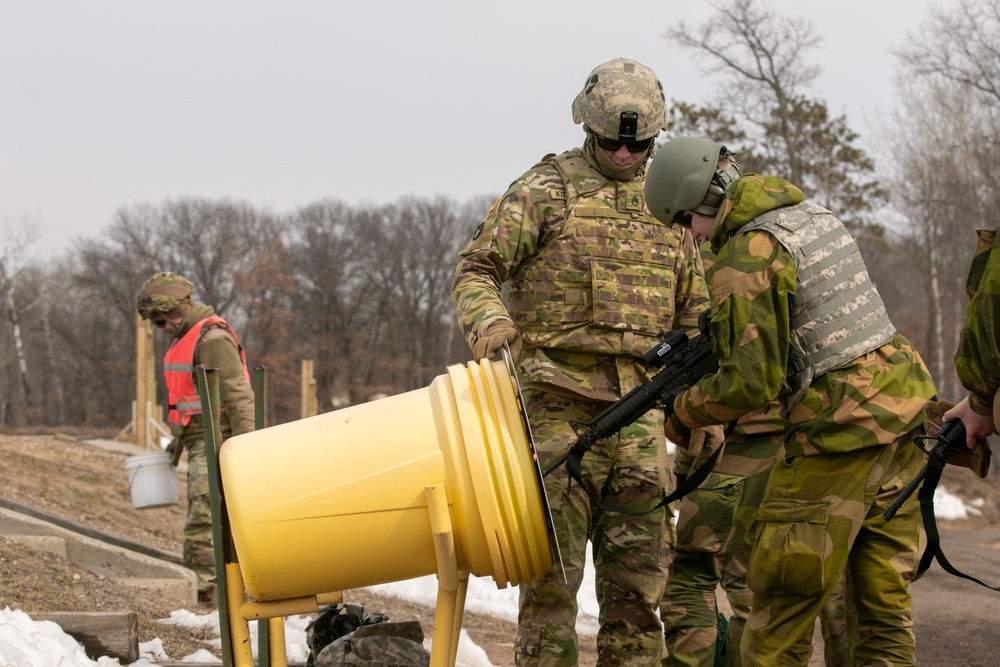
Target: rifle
[[951, 435], [684, 362]]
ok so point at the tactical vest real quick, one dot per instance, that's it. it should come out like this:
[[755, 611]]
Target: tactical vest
[[837, 314], [604, 281], [178, 371]]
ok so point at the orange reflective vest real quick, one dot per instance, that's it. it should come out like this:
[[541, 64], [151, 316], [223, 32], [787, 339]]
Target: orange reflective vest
[[178, 371]]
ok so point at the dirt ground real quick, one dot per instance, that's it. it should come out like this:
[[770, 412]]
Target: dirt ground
[[63, 476]]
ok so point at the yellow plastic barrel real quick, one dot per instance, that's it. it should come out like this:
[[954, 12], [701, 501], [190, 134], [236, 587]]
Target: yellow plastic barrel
[[336, 502]]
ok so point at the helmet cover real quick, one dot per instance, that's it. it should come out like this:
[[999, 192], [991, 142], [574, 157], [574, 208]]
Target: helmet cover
[[622, 99], [163, 292]]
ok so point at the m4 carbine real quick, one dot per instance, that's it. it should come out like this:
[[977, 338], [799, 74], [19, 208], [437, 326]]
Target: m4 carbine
[[684, 362]]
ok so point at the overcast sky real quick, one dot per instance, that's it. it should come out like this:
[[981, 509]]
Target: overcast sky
[[106, 104]]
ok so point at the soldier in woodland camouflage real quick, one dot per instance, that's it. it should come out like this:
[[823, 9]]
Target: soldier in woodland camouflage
[[715, 531], [977, 359], [796, 318], [199, 338], [593, 281]]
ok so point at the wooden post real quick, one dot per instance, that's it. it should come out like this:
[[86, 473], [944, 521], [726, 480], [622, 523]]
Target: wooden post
[[309, 402], [143, 351], [145, 427]]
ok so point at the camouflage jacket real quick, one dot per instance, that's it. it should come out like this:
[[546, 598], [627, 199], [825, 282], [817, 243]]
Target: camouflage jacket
[[869, 401], [977, 359], [592, 279]]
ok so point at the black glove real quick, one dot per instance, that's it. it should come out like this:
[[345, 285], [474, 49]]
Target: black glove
[[676, 431]]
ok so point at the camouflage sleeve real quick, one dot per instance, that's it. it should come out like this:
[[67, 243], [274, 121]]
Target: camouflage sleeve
[[691, 296], [977, 359], [752, 280], [217, 349], [510, 233]]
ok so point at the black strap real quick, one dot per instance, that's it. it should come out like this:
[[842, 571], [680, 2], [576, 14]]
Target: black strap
[[687, 486], [934, 468]]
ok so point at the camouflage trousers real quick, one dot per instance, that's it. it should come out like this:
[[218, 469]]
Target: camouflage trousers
[[832, 620], [822, 516], [714, 525], [715, 533], [630, 553], [199, 554]]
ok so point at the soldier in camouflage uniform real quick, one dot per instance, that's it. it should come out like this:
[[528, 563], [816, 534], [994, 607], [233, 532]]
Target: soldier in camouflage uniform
[[796, 318], [592, 282], [715, 533], [977, 359], [199, 338]]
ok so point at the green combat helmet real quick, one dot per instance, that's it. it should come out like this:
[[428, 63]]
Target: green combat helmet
[[685, 176], [163, 292], [622, 100]]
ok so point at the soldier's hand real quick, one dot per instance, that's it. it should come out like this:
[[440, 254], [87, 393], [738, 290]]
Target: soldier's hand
[[977, 426], [976, 454], [492, 339], [677, 432], [175, 449]]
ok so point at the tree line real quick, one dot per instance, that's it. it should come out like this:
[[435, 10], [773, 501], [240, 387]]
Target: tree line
[[364, 291]]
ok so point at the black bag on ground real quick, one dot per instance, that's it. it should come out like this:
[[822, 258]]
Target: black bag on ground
[[344, 635]]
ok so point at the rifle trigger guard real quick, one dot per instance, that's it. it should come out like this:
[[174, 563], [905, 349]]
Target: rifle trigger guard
[[936, 450]]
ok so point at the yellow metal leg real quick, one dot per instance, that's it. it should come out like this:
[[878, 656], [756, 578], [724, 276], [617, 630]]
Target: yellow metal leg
[[456, 628], [451, 587], [276, 635]]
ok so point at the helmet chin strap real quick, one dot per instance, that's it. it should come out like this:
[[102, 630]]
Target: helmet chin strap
[[606, 166]]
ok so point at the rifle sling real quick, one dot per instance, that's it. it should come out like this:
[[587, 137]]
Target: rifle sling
[[935, 466], [687, 486]]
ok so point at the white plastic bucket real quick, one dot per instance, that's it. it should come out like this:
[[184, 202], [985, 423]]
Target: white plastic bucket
[[152, 481]]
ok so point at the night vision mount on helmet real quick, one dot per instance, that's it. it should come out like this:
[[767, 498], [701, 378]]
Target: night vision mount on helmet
[[622, 99]]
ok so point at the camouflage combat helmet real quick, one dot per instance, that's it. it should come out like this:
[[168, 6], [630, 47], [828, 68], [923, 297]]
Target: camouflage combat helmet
[[163, 292], [685, 175], [622, 100]]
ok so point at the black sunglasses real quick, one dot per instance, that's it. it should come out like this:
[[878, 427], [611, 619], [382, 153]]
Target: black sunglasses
[[159, 324], [614, 144]]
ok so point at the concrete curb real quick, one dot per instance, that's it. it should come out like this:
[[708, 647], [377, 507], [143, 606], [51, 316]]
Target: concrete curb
[[108, 560]]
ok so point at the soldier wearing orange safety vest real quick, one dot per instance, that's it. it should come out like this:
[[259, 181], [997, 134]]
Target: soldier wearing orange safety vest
[[200, 338]]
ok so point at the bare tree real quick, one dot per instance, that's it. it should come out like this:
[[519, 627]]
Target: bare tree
[[207, 241], [336, 305], [13, 264], [947, 141], [268, 287], [961, 44], [760, 57], [420, 241], [943, 184]]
